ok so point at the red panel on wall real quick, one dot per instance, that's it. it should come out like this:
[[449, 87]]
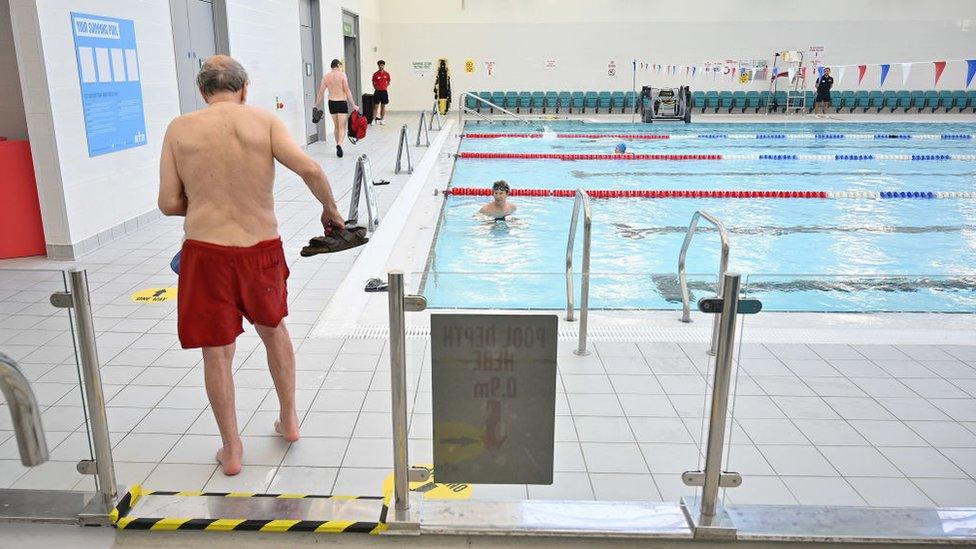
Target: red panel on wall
[[21, 230]]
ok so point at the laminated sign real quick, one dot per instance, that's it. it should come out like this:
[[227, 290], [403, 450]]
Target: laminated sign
[[111, 89], [494, 397]]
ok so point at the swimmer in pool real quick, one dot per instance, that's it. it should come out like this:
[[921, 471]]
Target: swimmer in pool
[[621, 148], [499, 208]]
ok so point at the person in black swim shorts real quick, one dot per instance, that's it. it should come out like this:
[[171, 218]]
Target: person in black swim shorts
[[824, 83], [381, 95], [340, 100]]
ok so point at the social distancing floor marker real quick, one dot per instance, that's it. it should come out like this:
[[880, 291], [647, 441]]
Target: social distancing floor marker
[[154, 295], [120, 516], [430, 488]]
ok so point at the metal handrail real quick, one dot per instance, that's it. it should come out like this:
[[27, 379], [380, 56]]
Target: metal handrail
[[422, 128], [25, 413], [463, 108], [723, 267], [581, 199]]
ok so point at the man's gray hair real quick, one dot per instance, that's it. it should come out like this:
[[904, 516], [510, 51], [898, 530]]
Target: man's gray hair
[[221, 73]]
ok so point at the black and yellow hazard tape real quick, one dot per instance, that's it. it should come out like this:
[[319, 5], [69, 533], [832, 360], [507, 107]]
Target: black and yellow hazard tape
[[121, 519]]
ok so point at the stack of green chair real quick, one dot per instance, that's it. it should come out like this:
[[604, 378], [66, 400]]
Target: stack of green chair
[[565, 102], [538, 101], [630, 101], [890, 100], [603, 101], [698, 100], [725, 101], [862, 100], [711, 100], [524, 102], [875, 100], [809, 100], [617, 101], [591, 101], [498, 98], [930, 100], [579, 101], [958, 101], [763, 99], [843, 100], [946, 101], [904, 100], [551, 102], [739, 101], [970, 101], [752, 100], [918, 99]]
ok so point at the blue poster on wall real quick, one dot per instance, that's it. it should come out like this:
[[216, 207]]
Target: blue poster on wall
[[111, 92]]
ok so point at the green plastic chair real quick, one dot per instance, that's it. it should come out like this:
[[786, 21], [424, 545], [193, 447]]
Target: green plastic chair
[[904, 99], [918, 99], [779, 101], [538, 101], [739, 100], [591, 101], [890, 100], [579, 101], [946, 100], [970, 100], [565, 102], [809, 98], [875, 100], [698, 100], [630, 101], [617, 101], [763, 99], [603, 101], [958, 100], [846, 101], [525, 101], [551, 102], [498, 98], [862, 100], [725, 101], [711, 100]]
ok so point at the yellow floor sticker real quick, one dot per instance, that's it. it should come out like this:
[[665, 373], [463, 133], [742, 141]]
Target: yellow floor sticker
[[431, 489], [154, 295]]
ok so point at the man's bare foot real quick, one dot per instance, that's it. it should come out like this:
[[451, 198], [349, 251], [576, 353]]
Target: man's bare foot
[[288, 429], [230, 459]]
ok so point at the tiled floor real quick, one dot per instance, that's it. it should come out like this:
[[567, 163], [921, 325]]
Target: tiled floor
[[813, 424]]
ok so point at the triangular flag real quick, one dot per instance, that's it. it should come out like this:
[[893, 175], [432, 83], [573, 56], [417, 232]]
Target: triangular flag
[[906, 69], [939, 67], [693, 71], [861, 69], [840, 73], [885, 67], [775, 73], [820, 71], [970, 71]]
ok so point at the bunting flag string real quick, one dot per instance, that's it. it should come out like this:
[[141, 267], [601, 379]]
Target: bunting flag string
[[906, 69], [885, 67], [841, 70], [861, 69], [939, 68]]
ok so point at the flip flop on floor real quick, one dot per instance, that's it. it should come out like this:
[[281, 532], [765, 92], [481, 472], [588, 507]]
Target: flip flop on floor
[[336, 239]]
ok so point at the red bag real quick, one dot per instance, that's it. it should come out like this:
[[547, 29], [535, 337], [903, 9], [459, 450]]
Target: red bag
[[357, 126]]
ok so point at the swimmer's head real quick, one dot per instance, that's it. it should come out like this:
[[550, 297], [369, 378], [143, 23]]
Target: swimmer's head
[[221, 74], [500, 189], [335, 64], [621, 148]]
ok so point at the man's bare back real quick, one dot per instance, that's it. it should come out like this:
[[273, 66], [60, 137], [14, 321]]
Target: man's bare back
[[223, 156], [336, 83]]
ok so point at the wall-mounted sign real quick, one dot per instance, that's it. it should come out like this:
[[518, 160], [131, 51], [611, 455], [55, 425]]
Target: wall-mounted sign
[[422, 68], [490, 68], [611, 68], [494, 397], [550, 63], [111, 93], [469, 66]]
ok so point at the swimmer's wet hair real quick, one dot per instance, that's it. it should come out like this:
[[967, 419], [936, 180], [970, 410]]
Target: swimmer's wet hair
[[500, 185], [335, 63], [221, 73]]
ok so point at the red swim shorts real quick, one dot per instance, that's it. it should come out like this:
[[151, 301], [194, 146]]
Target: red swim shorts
[[220, 285]]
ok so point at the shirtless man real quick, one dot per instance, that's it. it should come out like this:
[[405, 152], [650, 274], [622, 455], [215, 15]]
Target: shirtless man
[[340, 99], [499, 207], [217, 169]]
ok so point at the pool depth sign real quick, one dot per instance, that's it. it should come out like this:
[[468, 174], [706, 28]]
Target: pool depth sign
[[111, 93], [494, 397]]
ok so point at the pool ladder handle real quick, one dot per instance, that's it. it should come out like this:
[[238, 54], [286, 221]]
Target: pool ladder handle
[[464, 109], [581, 201], [723, 267]]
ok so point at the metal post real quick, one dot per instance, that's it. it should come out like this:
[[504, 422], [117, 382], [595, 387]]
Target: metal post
[[422, 128], [403, 146], [581, 202], [435, 113], [720, 397], [398, 391], [104, 465]]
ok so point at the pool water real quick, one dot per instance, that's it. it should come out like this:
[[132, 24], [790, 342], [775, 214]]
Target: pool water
[[797, 254]]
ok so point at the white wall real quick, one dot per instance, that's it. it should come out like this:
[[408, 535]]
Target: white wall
[[583, 36], [82, 197], [13, 123], [264, 37]]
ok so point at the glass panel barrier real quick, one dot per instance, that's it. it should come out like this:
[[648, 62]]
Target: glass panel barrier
[[40, 338], [871, 404], [631, 415]]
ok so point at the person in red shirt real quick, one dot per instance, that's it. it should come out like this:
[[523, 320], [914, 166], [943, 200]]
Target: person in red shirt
[[381, 81]]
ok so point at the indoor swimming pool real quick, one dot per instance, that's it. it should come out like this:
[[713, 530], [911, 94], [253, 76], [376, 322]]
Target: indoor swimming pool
[[872, 217]]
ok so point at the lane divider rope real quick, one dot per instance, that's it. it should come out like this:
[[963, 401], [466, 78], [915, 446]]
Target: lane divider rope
[[684, 193], [896, 136], [810, 157]]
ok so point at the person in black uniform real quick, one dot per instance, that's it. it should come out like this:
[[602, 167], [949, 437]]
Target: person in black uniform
[[824, 83]]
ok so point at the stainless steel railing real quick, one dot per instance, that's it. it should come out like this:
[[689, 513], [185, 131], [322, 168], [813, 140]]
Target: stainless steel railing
[[24, 411], [362, 183], [464, 109], [723, 267], [582, 201]]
